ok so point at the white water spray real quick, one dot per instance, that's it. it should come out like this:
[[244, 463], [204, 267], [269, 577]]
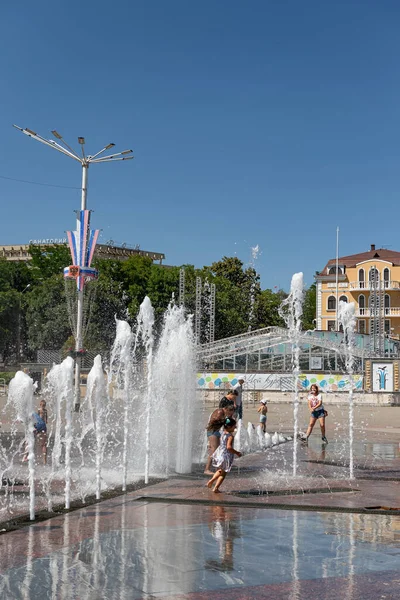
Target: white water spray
[[347, 318], [96, 395], [121, 374], [145, 323], [20, 396], [291, 310]]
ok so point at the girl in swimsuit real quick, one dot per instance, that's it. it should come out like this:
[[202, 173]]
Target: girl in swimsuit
[[317, 411], [223, 457]]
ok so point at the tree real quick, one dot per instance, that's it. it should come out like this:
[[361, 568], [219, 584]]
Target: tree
[[310, 307], [46, 315], [9, 323], [267, 308], [48, 260], [162, 286], [135, 274]]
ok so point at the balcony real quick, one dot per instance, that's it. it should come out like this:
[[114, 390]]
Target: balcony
[[388, 312], [366, 285]]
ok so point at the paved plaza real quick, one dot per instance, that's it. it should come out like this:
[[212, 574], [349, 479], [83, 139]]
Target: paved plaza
[[319, 536]]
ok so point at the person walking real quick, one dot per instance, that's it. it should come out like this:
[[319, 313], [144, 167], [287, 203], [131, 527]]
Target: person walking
[[318, 412], [223, 456], [239, 399], [215, 422]]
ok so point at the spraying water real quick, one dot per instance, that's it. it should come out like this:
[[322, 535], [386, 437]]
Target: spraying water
[[174, 384], [151, 426], [121, 374], [20, 396], [96, 395], [59, 391], [347, 318], [255, 251], [291, 310], [145, 323]]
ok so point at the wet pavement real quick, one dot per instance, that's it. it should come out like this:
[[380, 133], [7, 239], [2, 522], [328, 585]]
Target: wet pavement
[[265, 536], [125, 549]]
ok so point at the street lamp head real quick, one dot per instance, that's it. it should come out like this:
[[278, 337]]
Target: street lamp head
[[81, 140], [56, 134], [29, 131], [127, 152], [109, 146]]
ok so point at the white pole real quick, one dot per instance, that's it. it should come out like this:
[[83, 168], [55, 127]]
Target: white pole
[[79, 316], [337, 278]]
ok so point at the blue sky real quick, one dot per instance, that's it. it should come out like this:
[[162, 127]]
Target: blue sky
[[262, 122]]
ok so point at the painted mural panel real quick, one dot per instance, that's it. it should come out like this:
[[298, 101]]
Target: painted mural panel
[[279, 382], [382, 377]]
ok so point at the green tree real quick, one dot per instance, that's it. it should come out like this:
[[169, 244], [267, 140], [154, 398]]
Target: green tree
[[267, 308], [135, 274], [48, 260], [310, 307], [162, 285], [46, 315], [9, 323], [15, 279]]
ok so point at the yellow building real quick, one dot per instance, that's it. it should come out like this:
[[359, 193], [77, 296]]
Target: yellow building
[[372, 281]]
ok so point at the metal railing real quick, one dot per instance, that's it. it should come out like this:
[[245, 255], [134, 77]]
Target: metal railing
[[368, 285], [393, 311]]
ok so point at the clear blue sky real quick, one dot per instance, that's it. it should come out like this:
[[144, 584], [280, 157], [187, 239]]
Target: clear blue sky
[[262, 122]]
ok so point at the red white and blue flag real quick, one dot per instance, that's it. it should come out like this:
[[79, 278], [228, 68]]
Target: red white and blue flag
[[82, 243]]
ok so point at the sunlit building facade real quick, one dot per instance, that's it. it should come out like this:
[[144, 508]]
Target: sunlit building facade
[[369, 279]]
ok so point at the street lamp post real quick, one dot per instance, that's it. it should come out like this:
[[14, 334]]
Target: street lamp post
[[85, 160]]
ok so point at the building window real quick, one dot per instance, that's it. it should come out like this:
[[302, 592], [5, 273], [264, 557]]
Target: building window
[[374, 274], [387, 326], [331, 303], [386, 278], [361, 305], [343, 299], [332, 270], [361, 326], [361, 278], [331, 325], [387, 304]]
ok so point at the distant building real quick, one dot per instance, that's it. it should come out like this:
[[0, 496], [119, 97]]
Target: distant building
[[369, 279], [20, 252]]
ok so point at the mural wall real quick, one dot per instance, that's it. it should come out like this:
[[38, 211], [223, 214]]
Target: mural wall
[[279, 382]]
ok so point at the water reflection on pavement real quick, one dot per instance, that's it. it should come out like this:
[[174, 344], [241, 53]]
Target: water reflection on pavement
[[125, 549]]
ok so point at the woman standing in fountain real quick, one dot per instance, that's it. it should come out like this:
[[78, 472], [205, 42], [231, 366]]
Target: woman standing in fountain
[[223, 457], [317, 411]]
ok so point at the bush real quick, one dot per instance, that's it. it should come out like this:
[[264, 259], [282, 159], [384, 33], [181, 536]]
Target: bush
[[7, 376]]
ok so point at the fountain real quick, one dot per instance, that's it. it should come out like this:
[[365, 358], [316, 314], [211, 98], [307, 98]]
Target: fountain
[[347, 318], [292, 310], [139, 420]]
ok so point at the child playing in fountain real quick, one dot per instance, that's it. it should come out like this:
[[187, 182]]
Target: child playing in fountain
[[263, 409], [223, 457], [317, 411], [42, 412], [40, 433]]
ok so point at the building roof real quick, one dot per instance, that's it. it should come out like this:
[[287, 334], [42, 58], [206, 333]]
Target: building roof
[[354, 259]]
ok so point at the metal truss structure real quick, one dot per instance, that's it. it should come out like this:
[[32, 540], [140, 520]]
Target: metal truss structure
[[376, 306], [197, 317], [273, 345], [181, 287], [212, 313]]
